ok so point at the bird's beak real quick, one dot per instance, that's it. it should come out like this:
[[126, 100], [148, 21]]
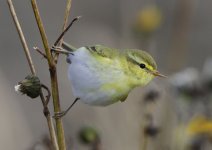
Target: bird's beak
[[158, 74]]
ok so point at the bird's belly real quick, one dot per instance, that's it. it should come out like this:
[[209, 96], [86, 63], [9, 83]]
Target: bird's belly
[[91, 88], [95, 84]]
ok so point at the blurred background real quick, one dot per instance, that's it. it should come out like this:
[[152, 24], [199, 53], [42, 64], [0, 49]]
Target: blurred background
[[169, 114]]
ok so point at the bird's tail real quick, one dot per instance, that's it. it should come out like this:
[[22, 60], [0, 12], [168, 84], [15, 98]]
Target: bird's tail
[[68, 47]]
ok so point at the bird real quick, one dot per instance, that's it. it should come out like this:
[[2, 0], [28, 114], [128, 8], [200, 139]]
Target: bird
[[101, 76]]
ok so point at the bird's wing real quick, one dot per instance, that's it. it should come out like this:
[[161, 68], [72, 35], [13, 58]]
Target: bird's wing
[[99, 50], [103, 51]]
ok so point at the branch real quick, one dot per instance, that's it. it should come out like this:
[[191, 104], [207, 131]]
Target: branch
[[53, 75], [21, 36], [32, 68], [48, 117], [65, 30], [49, 120], [48, 94], [67, 12], [40, 52], [43, 33]]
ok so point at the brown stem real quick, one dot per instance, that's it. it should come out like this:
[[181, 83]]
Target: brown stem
[[48, 94], [32, 68], [40, 52], [43, 33], [53, 75], [49, 121], [65, 30], [21, 36], [67, 12]]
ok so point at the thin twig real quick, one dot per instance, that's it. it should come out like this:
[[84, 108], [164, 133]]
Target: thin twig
[[43, 34], [21, 35], [40, 52], [65, 30], [49, 121], [48, 94], [53, 75], [51, 128], [48, 116], [67, 13], [32, 68]]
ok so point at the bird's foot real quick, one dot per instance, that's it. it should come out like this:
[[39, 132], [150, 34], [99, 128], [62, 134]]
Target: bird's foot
[[58, 115], [58, 49]]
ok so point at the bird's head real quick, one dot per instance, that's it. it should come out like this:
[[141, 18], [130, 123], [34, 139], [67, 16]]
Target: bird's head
[[141, 66]]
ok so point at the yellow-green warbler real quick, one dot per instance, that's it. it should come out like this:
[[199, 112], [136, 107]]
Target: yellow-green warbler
[[102, 76]]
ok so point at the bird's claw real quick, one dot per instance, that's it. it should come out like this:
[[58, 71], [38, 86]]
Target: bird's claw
[[58, 115], [55, 48], [58, 49]]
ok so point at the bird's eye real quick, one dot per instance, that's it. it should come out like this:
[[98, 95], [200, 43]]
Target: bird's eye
[[142, 66]]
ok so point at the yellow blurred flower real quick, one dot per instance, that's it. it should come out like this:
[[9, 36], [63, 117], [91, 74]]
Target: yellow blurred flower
[[148, 19], [185, 136], [200, 125]]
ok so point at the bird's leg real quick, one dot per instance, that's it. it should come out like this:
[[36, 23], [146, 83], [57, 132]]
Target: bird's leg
[[59, 49], [63, 113]]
